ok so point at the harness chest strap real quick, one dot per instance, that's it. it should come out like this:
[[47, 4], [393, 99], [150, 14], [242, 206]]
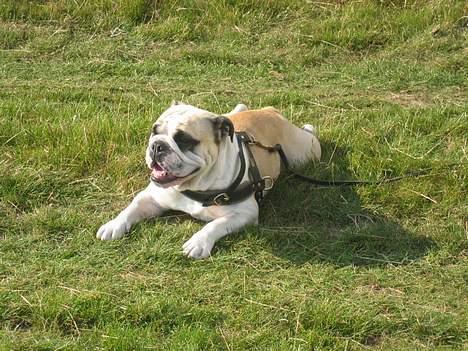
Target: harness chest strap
[[236, 192]]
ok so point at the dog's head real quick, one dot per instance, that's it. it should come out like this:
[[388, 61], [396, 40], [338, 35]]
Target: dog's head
[[184, 142]]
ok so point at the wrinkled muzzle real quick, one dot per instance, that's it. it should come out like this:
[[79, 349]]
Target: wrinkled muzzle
[[169, 165]]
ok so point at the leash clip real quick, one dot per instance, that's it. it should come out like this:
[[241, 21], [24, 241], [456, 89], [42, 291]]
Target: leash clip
[[220, 199]]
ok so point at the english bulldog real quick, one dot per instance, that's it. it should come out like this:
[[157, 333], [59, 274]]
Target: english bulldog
[[191, 149]]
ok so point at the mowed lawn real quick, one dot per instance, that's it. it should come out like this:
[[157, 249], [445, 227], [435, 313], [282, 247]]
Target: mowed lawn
[[365, 268]]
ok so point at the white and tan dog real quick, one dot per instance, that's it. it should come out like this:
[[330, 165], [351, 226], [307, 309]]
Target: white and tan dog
[[193, 149]]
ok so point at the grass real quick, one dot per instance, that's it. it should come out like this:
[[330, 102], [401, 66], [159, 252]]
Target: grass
[[367, 268]]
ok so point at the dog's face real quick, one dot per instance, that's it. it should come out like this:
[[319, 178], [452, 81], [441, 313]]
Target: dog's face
[[184, 142]]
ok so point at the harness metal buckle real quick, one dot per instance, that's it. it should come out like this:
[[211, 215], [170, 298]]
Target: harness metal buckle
[[220, 198], [249, 139], [269, 182]]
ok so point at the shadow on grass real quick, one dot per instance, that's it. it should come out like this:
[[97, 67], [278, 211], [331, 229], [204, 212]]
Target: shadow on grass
[[303, 223]]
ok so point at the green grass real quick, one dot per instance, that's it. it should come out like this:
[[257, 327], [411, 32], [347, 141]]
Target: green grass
[[368, 268]]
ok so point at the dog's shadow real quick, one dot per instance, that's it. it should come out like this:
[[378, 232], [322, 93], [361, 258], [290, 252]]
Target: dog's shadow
[[302, 223]]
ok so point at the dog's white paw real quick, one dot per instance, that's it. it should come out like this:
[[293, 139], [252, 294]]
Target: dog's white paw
[[198, 246], [113, 229]]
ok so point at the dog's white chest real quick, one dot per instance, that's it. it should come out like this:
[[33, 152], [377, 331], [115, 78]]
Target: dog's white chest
[[171, 199]]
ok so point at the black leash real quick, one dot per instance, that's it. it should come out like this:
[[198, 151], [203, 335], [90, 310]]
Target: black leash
[[314, 181]]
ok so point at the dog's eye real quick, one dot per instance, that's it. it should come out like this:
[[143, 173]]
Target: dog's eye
[[184, 140], [154, 130]]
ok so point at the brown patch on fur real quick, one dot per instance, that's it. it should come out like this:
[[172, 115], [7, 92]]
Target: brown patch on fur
[[268, 127], [197, 127]]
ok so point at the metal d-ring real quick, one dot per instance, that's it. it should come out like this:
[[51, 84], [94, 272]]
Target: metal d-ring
[[268, 185], [223, 196]]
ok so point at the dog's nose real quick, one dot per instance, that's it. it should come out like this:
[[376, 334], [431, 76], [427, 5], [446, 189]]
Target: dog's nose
[[159, 147]]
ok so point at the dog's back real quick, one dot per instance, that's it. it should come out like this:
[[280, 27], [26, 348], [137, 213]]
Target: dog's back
[[269, 127]]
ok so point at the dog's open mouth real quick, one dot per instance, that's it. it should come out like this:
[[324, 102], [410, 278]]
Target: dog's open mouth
[[161, 175]]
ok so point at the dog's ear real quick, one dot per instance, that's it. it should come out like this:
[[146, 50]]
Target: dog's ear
[[223, 127]]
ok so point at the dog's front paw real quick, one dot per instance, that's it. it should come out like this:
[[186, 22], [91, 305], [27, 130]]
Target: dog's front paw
[[114, 229], [198, 246]]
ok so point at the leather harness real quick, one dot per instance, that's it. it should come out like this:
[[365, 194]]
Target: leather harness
[[237, 192]]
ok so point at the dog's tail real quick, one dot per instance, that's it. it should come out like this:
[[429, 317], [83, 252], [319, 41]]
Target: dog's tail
[[301, 144]]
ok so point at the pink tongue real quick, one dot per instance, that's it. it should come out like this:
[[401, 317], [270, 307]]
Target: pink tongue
[[158, 173], [161, 175]]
